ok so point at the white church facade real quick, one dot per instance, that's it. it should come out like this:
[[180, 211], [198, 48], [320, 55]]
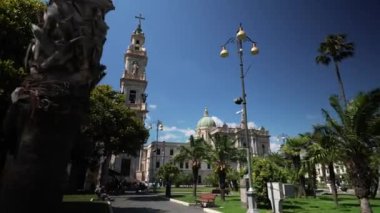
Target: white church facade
[[158, 153]]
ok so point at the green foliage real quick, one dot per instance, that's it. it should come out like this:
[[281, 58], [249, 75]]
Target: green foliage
[[355, 132], [334, 48], [211, 180], [16, 17], [183, 178], [265, 170], [222, 153], [10, 78], [112, 124], [292, 152], [196, 152], [168, 171]]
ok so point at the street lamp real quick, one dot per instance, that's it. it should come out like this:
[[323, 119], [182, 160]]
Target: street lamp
[[239, 39], [159, 126]]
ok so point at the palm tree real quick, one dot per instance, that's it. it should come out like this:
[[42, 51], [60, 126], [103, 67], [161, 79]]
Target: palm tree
[[292, 149], [335, 49], [195, 151], [326, 153], [167, 172], [222, 153], [356, 134]]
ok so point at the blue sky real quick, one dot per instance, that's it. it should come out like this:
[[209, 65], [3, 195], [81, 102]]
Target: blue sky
[[285, 88]]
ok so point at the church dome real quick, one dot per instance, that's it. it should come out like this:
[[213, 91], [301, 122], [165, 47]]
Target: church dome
[[206, 121]]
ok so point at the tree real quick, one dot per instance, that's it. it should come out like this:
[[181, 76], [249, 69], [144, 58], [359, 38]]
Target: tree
[[183, 178], [264, 170], [47, 109], [195, 152], [112, 127], [308, 165], [16, 17], [167, 172], [220, 155], [335, 49], [291, 149], [355, 130], [326, 153]]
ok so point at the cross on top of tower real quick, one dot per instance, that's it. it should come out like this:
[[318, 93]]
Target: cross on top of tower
[[140, 18]]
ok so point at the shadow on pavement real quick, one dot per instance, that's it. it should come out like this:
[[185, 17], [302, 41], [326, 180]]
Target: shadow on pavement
[[137, 210], [147, 198]]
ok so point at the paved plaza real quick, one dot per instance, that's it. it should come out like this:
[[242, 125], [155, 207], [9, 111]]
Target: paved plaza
[[148, 203]]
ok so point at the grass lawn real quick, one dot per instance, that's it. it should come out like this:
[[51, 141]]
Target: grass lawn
[[321, 204], [186, 189], [81, 197], [324, 203]]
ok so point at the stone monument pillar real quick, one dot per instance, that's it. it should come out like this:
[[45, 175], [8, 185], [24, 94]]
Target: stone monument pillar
[[275, 195]]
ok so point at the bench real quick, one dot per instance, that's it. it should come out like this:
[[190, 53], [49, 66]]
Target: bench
[[206, 200]]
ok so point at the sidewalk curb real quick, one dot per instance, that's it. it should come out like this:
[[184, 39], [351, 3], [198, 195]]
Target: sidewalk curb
[[208, 210], [179, 202], [211, 210]]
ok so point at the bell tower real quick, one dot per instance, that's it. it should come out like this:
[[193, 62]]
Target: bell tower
[[133, 81]]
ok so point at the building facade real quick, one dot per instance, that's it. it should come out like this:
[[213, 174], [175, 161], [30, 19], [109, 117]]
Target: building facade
[[158, 153], [133, 84]]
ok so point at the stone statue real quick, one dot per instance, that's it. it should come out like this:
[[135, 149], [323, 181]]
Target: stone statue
[[135, 68], [44, 120]]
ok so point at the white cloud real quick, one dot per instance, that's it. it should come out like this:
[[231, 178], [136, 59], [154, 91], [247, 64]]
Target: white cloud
[[170, 128], [168, 136], [274, 147], [251, 125], [187, 132], [218, 121], [233, 125], [274, 139], [152, 106], [275, 143], [173, 132]]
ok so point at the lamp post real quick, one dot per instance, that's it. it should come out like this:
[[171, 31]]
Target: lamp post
[[159, 126], [239, 39]]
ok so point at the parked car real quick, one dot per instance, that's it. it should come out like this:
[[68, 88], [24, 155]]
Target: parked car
[[151, 185]]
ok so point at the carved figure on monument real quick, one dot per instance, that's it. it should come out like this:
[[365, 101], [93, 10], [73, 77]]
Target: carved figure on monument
[[44, 120], [135, 68]]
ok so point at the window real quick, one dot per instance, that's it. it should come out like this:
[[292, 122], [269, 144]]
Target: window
[[158, 151], [125, 167], [208, 166], [157, 164], [171, 151], [137, 41], [199, 179], [132, 96], [181, 165], [186, 165], [263, 147]]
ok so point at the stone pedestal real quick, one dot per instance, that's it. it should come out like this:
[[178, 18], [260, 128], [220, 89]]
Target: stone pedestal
[[275, 195], [329, 186], [289, 190], [243, 190]]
